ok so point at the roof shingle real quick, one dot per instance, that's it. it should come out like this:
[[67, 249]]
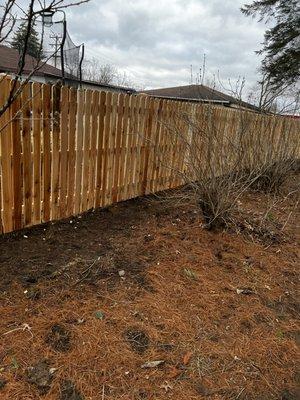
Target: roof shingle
[[197, 93], [9, 59]]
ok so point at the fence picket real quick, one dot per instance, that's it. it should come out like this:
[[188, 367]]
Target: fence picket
[[46, 110], [79, 152], [123, 151], [71, 151], [56, 136], [106, 143], [147, 144], [6, 167], [63, 174], [93, 152], [16, 160], [36, 117], [117, 148], [86, 150], [134, 147], [27, 146], [100, 149], [111, 149]]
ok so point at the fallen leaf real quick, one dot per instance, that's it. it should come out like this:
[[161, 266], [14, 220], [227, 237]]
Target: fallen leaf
[[152, 364], [174, 372], [187, 358]]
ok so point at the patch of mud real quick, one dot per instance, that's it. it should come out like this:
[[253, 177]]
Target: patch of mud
[[40, 376], [135, 270], [33, 293], [138, 340], [3, 383], [263, 231], [69, 391], [59, 338], [165, 346], [284, 308], [141, 394], [287, 395]]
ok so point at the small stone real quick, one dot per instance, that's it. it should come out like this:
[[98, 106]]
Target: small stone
[[121, 273]]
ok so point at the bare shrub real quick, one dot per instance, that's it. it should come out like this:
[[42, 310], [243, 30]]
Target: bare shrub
[[225, 152], [211, 158], [276, 149]]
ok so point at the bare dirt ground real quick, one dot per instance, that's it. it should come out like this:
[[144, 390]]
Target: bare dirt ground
[[87, 302]]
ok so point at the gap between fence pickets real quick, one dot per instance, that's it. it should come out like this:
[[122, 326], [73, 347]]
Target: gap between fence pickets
[[64, 151]]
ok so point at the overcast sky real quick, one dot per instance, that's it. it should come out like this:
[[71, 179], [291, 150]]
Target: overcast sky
[[156, 41]]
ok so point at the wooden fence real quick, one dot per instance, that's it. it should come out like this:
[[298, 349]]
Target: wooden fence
[[64, 151]]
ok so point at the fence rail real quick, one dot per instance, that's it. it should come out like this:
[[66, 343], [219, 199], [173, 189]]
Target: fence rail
[[64, 151]]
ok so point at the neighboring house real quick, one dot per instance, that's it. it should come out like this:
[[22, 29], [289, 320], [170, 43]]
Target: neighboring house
[[9, 59], [86, 84], [199, 93]]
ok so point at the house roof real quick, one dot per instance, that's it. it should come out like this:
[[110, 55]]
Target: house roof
[[106, 86], [9, 59], [197, 93]]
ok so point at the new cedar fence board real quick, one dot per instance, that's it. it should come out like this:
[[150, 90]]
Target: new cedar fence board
[[64, 151]]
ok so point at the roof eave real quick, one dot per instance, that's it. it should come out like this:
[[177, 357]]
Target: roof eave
[[188, 99]]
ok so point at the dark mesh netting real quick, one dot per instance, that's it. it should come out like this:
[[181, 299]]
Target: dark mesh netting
[[52, 42], [51, 39]]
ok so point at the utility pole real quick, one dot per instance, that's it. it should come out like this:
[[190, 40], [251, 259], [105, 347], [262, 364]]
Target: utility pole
[[56, 45]]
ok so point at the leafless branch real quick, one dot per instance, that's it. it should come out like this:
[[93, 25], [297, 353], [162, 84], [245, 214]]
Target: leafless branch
[[7, 19]]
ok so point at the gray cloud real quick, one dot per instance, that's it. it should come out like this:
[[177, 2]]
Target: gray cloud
[[156, 41]]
